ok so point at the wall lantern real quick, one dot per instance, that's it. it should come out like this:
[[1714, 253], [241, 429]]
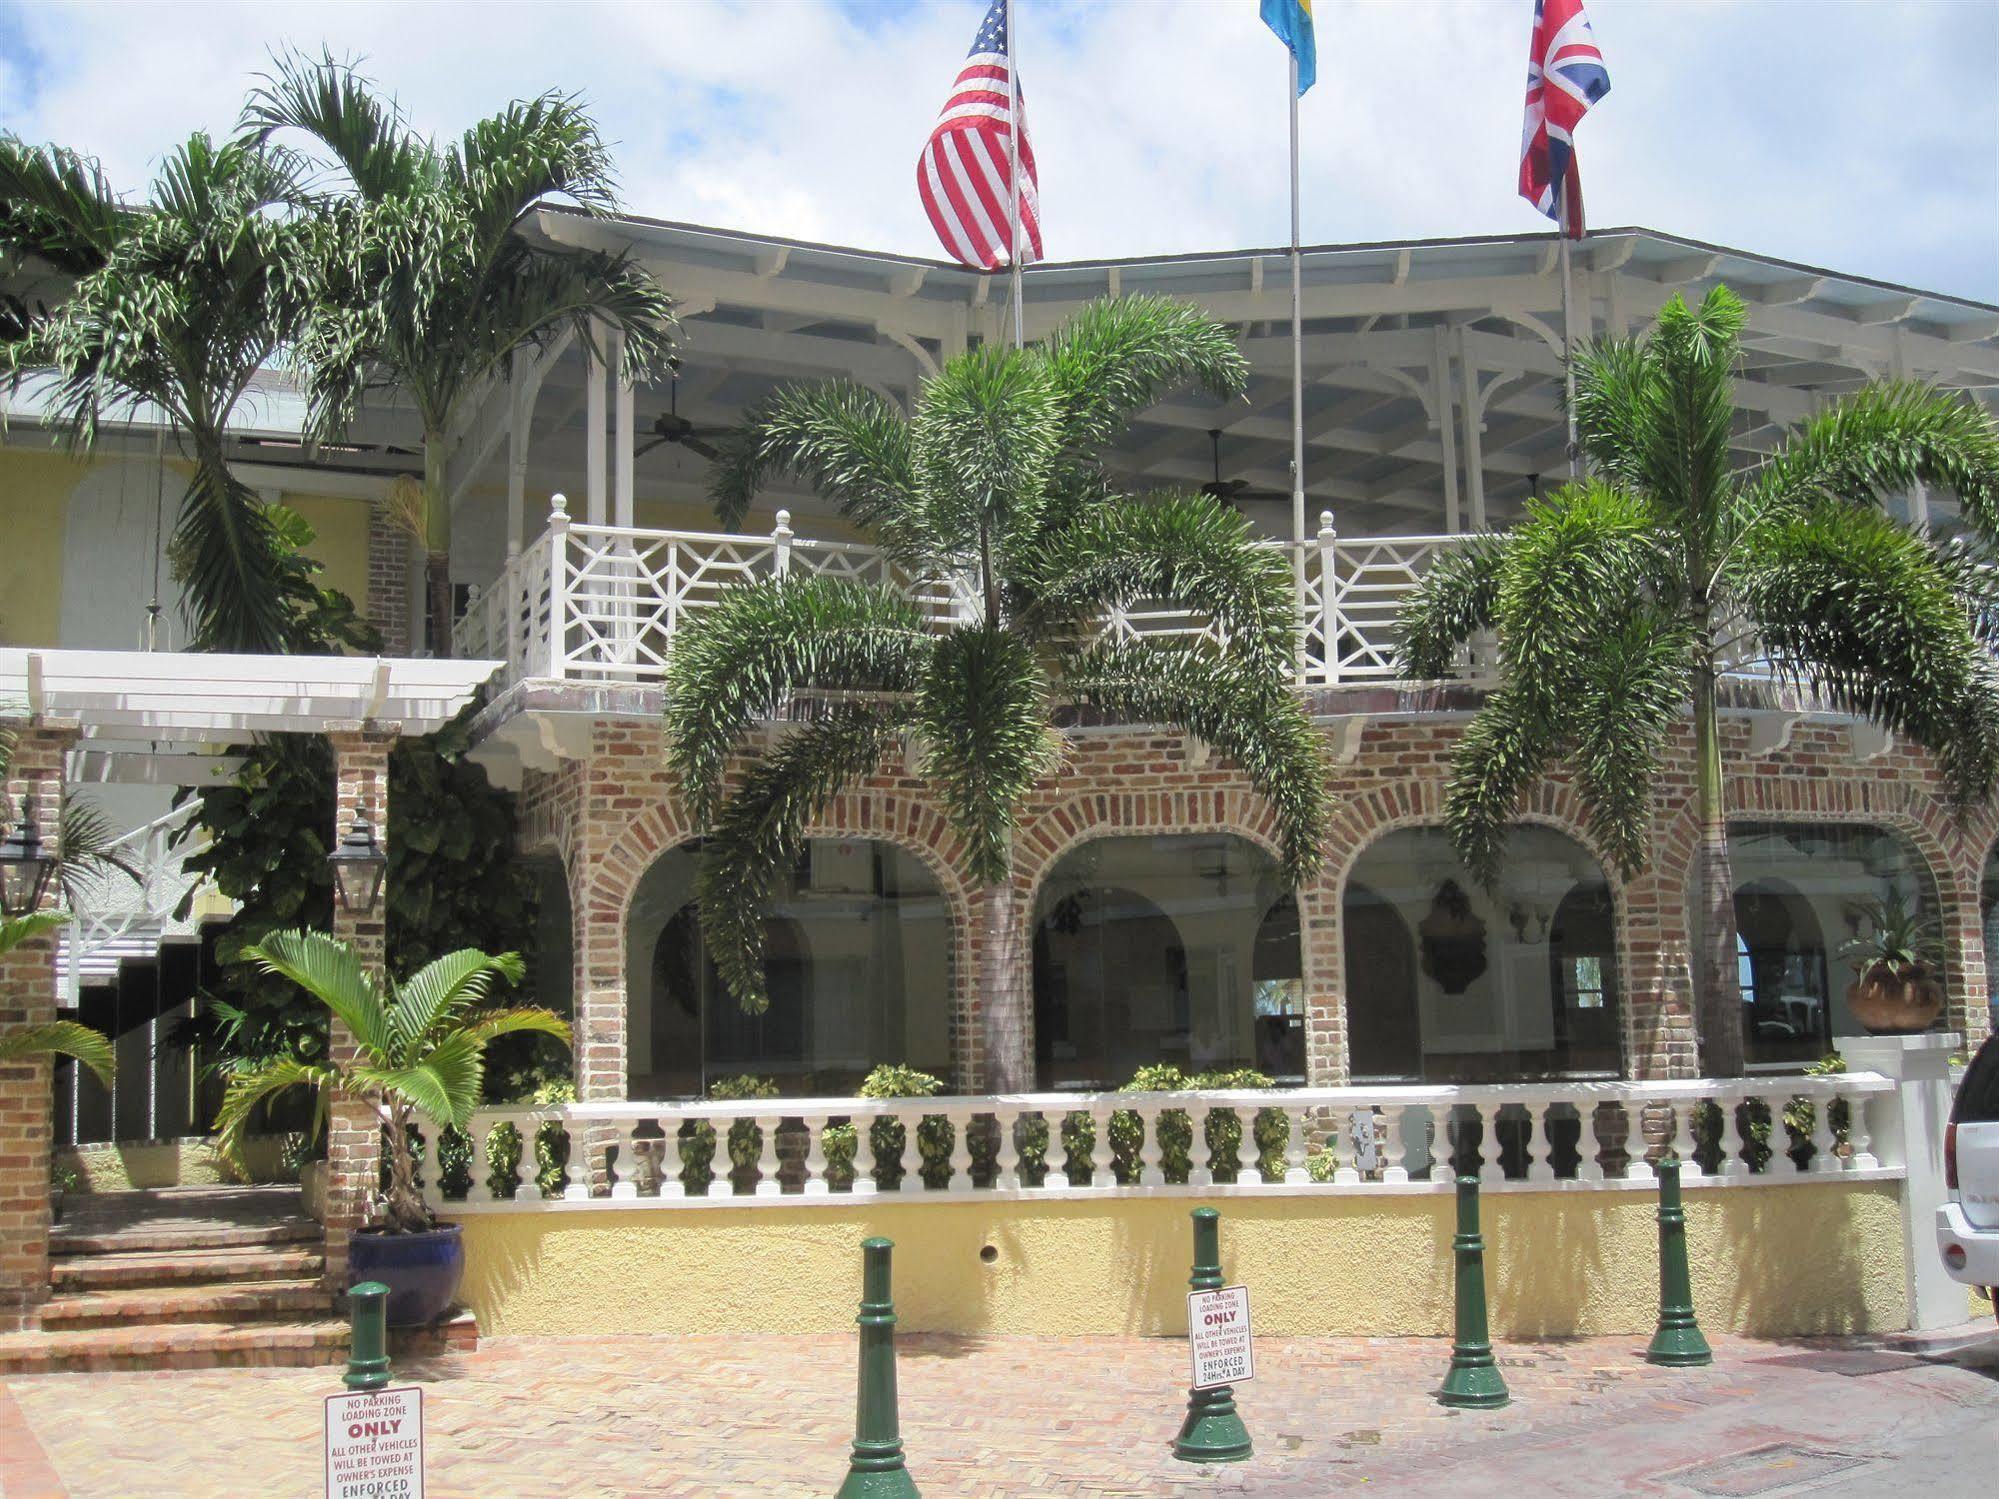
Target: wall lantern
[[359, 868], [25, 868]]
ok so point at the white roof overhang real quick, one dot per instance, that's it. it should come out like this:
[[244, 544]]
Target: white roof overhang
[[190, 698]]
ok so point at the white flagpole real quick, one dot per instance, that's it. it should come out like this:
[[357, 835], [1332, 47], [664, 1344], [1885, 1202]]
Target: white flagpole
[[1568, 331], [1297, 375], [1013, 170]]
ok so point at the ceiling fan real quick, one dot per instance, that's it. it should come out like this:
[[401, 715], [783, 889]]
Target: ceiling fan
[[671, 426], [1232, 491]]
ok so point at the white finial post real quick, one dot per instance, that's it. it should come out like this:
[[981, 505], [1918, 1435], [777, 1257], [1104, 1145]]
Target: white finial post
[[1329, 596], [558, 584], [780, 538]]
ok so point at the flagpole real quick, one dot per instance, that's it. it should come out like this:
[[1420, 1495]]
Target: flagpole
[[1013, 170], [1568, 330], [1297, 377]]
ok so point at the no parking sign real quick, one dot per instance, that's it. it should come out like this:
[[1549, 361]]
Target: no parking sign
[[374, 1444]]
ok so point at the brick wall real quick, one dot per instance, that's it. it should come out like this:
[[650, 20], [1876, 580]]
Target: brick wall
[[613, 814], [28, 997], [388, 582], [353, 1133]]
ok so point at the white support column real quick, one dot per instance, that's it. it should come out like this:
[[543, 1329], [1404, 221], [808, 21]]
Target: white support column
[[1442, 419], [1907, 1127], [621, 514], [1474, 445], [596, 510], [520, 413]]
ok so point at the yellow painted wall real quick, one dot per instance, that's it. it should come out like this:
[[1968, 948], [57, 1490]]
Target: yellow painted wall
[[340, 541], [33, 489], [1772, 1261]]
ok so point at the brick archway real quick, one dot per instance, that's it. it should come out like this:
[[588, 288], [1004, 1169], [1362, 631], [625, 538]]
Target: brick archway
[[1369, 817], [1059, 828], [610, 879]]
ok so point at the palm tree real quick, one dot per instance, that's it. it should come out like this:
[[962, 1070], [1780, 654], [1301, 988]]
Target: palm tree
[[176, 311], [60, 1037], [994, 485], [1623, 598], [421, 1047], [429, 285]]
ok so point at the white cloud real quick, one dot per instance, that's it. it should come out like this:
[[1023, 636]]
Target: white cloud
[[1858, 134]]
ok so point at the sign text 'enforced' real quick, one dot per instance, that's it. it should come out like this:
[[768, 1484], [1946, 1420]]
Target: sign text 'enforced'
[[1218, 1336]]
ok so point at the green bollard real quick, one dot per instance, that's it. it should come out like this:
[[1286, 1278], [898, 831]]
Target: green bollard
[[368, 1354], [1474, 1381], [877, 1470], [1678, 1343], [1212, 1431]]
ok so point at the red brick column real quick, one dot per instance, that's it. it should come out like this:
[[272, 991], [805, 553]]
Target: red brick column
[[353, 1134], [388, 582], [28, 997]]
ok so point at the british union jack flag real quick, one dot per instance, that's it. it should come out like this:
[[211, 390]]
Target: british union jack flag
[[1565, 76]]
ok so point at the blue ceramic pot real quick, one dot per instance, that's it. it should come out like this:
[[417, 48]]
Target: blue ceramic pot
[[422, 1271]]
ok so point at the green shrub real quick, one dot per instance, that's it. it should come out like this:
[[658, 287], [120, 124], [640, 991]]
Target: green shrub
[[1269, 1132], [551, 1147], [1800, 1119], [1321, 1164], [934, 1133]]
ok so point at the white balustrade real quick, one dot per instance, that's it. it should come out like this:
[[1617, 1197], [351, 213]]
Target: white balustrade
[[1413, 1138]]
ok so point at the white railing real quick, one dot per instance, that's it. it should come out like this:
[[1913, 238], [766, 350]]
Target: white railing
[[116, 915], [601, 604], [1389, 1139]]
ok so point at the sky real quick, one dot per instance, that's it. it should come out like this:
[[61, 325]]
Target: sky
[[1857, 135]]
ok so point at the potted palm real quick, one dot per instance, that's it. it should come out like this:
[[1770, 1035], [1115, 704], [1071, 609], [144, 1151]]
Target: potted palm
[[1897, 986], [420, 1052]]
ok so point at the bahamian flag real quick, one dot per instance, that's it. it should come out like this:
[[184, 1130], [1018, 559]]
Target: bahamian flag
[[1292, 21]]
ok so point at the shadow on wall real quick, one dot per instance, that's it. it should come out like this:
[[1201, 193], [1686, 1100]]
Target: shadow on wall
[[1787, 1248], [1563, 1265]]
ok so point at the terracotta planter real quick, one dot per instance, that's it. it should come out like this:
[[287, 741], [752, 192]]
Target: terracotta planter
[[1890, 1004]]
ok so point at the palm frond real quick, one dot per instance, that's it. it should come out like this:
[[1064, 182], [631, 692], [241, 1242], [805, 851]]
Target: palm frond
[[63, 1038], [58, 206], [257, 1085], [983, 447], [332, 973], [14, 930], [1456, 599], [1120, 355], [1632, 691], [1854, 606], [1190, 550], [436, 993], [983, 714], [1505, 749], [86, 850], [1242, 710], [845, 441], [737, 662], [760, 833], [330, 101], [490, 1025]]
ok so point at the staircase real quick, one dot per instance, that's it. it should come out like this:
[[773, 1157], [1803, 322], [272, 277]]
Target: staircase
[[194, 1278]]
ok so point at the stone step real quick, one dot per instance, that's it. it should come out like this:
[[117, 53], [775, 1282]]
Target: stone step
[[216, 1345], [152, 1306], [95, 1272], [172, 1238]]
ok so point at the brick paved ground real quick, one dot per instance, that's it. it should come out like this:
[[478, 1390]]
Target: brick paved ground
[[1038, 1417]]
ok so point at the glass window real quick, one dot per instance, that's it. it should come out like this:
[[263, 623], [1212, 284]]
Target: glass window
[[1802, 892], [1447, 982], [857, 960], [1178, 949]]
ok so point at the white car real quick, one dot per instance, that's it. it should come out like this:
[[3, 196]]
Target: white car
[[1968, 1225]]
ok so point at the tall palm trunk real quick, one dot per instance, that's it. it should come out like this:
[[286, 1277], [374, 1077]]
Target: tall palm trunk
[[1003, 993], [1717, 986], [437, 546]]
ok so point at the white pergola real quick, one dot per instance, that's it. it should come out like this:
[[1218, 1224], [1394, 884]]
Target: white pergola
[[165, 717]]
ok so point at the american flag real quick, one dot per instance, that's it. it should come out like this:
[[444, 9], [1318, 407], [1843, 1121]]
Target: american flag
[[1565, 76], [963, 174]]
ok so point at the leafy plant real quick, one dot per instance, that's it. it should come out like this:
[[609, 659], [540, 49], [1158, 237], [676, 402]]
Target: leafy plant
[[1270, 1132], [420, 1046], [1800, 1116], [56, 1038], [1624, 597], [422, 281], [996, 486], [1900, 938]]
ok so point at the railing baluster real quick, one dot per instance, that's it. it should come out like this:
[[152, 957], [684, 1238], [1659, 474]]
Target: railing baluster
[[1396, 1124], [1590, 1143], [1151, 1149], [1200, 1155], [1057, 1177], [1734, 1146], [625, 1179], [1541, 1165], [672, 1161], [1825, 1145], [1006, 1165], [1686, 1115], [527, 1184], [477, 1131], [1490, 1168], [816, 1184], [1295, 1147], [767, 1183], [1859, 1139], [961, 1151], [1103, 1170], [864, 1155]]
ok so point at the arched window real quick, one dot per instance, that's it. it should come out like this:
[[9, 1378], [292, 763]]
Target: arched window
[[857, 962], [1802, 891], [1449, 982], [1179, 949]]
